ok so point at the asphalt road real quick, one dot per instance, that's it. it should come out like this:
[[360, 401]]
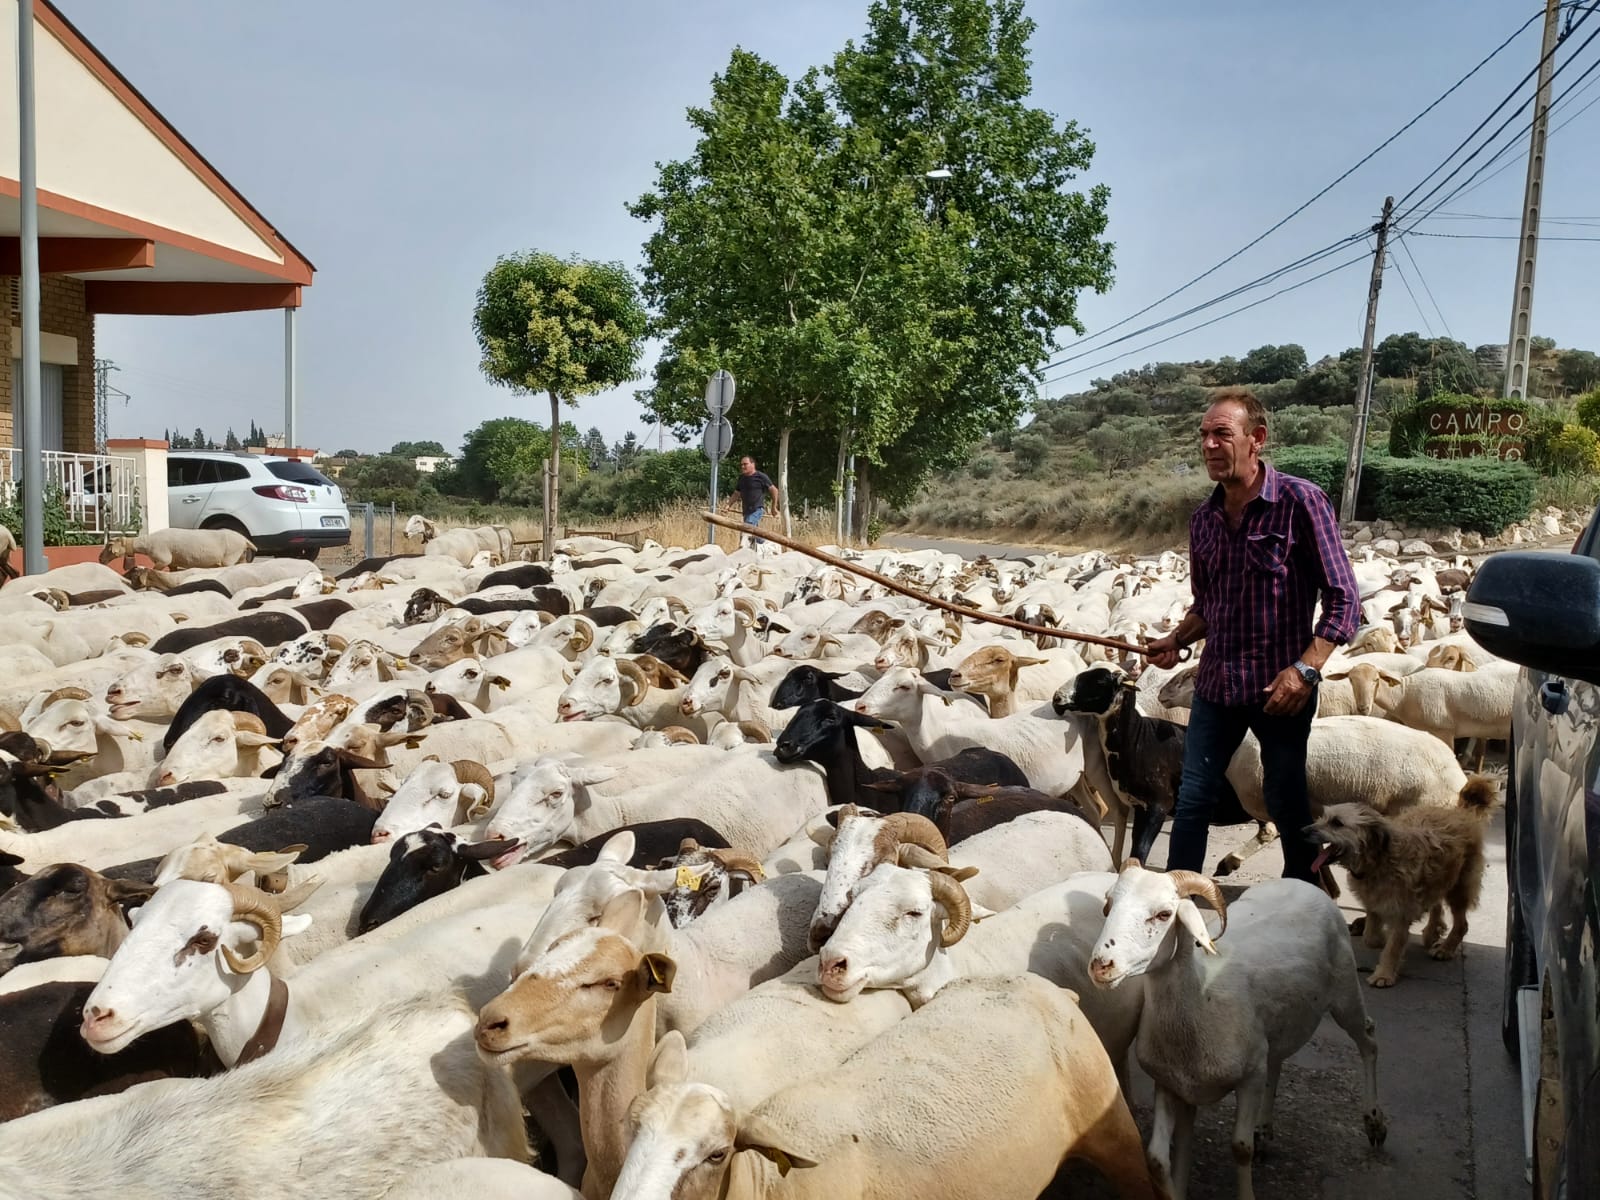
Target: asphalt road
[[1445, 1080]]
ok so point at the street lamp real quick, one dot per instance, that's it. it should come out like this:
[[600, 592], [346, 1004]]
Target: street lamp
[[939, 173]]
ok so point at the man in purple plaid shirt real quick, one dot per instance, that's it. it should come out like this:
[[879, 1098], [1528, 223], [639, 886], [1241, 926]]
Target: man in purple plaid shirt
[[1262, 550]]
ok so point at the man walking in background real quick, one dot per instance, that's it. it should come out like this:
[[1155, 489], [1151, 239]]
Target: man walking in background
[[751, 489], [1262, 549]]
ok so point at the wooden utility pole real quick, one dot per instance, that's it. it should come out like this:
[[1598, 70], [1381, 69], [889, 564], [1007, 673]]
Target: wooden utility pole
[[1358, 440], [1518, 345]]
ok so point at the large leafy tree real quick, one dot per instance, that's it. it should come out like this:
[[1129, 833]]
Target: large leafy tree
[[859, 301], [781, 253], [503, 451], [564, 327]]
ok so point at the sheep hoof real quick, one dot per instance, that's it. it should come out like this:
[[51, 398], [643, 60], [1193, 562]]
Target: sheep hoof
[[1377, 1126]]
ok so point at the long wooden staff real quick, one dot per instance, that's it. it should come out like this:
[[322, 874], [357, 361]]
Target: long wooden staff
[[932, 601]]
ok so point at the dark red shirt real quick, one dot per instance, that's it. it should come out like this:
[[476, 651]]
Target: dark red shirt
[[1257, 586]]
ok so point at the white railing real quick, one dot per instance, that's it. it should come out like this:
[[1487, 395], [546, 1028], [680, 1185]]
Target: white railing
[[98, 491]]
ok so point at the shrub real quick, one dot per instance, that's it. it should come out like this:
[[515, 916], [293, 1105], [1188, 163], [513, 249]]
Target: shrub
[[1030, 451], [983, 466], [1589, 410], [1575, 450], [1305, 425], [1125, 442], [1484, 495], [59, 528], [1322, 465]]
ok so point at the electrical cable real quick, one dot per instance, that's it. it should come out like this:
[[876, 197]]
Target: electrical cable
[[1368, 157], [1422, 279], [1395, 263]]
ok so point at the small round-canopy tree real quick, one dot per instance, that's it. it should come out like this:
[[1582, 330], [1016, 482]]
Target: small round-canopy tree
[[565, 327]]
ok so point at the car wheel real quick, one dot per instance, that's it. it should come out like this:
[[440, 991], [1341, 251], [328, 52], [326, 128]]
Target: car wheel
[[226, 523]]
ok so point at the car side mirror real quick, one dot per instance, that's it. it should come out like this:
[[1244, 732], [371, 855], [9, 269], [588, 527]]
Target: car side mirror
[[1539, 610]]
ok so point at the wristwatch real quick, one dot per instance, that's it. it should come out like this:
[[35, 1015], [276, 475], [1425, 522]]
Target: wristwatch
[[1310, 674]]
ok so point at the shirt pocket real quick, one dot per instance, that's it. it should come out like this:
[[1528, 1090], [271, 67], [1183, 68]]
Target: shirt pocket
[[1267, 554]]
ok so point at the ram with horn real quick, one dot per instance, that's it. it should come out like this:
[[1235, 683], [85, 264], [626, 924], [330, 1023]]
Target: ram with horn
[[436, 793]]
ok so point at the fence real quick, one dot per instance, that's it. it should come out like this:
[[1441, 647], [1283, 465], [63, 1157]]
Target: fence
[[99, 491]]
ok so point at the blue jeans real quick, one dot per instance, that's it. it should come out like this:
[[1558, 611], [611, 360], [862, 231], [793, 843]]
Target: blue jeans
[[754, 518], [1214, 733]]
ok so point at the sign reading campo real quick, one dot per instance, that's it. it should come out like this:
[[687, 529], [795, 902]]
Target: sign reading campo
[[1489, 428]]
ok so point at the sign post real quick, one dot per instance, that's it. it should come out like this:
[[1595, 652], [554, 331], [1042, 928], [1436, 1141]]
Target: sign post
[[717, 438]]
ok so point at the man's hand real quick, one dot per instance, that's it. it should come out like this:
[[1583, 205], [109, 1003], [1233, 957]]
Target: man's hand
[[1288, 694], [1163, 652]]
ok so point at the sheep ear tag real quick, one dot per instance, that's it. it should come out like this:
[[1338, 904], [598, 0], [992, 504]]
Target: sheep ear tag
[[688, 879]]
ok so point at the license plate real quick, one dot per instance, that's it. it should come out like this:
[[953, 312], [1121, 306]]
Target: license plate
[[333, 522]]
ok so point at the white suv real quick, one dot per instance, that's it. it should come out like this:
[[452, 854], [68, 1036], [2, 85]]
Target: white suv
[[283, 506]]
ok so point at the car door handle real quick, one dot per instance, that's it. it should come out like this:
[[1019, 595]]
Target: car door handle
[[191, 499], [1553, 695]]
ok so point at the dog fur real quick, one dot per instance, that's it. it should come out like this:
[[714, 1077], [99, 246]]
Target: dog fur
[[1412, 863]]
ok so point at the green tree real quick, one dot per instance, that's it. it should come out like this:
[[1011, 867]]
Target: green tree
[[1031, 450], [1451, 368], [1579, 369], [199, 441], [803, 246], [382, 471], [1125, 442], [231, 442], [626, 452], [564, 327], [1401, 355], [429, 449], [1268, 364], [502, 451], [347, 453], [594, 445], [1331, 382]]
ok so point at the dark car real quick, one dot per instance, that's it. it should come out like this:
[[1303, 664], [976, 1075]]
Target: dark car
[[1542, 610]]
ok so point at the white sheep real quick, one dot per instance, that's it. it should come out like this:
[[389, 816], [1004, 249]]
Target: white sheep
[[184, 548], [1224, 1020], [1452, 704], [349, 1107], [1006, 1079]]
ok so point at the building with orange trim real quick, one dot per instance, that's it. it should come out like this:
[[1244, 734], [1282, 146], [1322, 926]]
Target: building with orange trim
[[132, 219]]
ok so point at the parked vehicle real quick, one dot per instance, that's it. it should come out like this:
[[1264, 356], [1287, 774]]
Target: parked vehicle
[[1542, 610], [282, 505]]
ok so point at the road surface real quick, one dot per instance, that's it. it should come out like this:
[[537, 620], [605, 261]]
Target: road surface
[[1444, 1078]]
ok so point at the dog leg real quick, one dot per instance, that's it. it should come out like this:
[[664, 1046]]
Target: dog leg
[[1394, 951], [1433, 931], [1458, 929], [1372, 935]]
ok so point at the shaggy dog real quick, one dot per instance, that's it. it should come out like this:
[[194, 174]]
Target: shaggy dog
[[1408, 864]]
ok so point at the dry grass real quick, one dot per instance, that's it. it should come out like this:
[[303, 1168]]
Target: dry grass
[[682, 525]]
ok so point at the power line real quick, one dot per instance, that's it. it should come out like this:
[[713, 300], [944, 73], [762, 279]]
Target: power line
[[1395, 263], [1349, 262], [1368, 157], [1571, 94], [1493, 237], [1422, 279], [1303, 261], [1498, 131]]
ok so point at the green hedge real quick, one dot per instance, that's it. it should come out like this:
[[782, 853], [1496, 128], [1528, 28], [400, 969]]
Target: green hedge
[[1479, 494]]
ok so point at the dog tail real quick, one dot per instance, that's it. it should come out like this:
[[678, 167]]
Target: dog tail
[[1480, 795]]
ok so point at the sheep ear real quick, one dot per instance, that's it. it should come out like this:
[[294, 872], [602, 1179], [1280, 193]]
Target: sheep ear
[[656, 972], [618, 848], [669, 1062], [1189, 914], [770, 1144]]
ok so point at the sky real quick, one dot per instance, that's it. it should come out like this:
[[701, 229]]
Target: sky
[[401, 147]]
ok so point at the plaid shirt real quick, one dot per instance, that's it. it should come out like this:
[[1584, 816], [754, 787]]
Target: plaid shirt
[[1257, 586]]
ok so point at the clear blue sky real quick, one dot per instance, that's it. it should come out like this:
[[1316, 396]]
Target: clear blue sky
[[403, 146]]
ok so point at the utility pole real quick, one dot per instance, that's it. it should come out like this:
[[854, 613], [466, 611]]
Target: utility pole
[[102, 401], [1519, 343], [31, 408], [1358, 441]]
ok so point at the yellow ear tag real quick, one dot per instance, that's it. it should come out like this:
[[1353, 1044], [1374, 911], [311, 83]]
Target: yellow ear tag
[[688, 879]]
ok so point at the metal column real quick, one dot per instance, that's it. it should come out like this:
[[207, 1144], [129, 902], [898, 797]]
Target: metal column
[[28, 392], [1518, 344], [290, 397]]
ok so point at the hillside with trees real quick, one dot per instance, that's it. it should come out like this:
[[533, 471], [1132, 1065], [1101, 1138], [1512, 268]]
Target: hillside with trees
[[1121, 459]]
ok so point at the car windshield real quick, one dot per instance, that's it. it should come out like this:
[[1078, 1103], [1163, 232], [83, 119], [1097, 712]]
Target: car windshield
[[299, 472]]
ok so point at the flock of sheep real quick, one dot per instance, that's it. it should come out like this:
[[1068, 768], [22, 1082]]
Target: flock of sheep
[[680, 874]]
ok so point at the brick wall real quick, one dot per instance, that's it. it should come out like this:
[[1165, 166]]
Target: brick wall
[[61, 310]]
